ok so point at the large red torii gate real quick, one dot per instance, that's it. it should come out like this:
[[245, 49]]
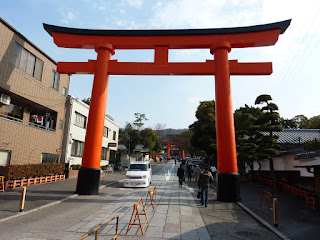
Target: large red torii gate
[[169, 145], [219, 41]]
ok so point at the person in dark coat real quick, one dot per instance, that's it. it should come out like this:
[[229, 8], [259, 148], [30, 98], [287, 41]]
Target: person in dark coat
[[180, 174], [205, 179], [189, 172]]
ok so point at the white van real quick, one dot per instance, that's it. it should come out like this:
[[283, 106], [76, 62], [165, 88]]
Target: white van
[[138, 175]]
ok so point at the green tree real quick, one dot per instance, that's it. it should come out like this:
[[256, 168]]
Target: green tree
[[130, 137], [204, 129], [140, 117], [311, 145], [288, 123], [268, 123], [87, 100], [246, 128], [301, 121], [157, 147], [149, 139], [314, 122]]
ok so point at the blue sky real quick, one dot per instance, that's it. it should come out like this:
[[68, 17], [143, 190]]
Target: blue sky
[[170, 100]]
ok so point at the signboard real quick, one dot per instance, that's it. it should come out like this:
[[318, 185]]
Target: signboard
[[112, 144], [165, 160]]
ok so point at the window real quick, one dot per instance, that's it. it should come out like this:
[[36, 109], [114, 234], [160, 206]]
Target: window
[[64, 91], [31, 64], [104, 152], [55, 78], [77, 148], [14, 111], [80, 120], [60, 124], [49, 158], [138, 167], [4, 157], [24, 59], [44, 119], [27, 62], [38, 69], [114, 135], [16, 54], [105, 132]]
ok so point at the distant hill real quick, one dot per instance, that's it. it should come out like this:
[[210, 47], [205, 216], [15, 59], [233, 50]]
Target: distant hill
[[162, 134]]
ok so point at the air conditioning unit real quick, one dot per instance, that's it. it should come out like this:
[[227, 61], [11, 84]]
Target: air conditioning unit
[[5, 99]]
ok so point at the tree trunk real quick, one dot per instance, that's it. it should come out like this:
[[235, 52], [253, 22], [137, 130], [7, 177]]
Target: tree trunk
[[273, 173], [241, 168], [259, 169]]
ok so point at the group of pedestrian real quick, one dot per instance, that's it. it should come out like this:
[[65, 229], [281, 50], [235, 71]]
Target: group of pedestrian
[[204, 177]]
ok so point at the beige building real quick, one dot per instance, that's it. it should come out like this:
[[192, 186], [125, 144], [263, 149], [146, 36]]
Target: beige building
[[32, 101]]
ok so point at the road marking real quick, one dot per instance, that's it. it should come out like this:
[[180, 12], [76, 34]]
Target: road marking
[[191, 190], [122, 189], [167, 176]]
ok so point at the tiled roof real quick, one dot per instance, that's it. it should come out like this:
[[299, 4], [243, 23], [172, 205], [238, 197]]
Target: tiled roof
[[294, 135]]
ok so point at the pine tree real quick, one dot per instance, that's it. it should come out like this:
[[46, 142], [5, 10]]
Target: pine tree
[[268, 123]]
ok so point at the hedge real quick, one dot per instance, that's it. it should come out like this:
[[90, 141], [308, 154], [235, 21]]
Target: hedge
[[75, 166], [31, 170]]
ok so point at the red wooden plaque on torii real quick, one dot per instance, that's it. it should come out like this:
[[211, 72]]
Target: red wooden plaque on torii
[[219, 41]]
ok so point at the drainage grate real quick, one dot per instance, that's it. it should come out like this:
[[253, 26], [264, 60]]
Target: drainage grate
[[246, 234]]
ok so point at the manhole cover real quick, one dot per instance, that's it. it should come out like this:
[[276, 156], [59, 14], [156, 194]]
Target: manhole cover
[[246, 234]]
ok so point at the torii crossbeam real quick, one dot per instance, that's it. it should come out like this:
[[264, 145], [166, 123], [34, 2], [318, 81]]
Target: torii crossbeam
[[219, 41]]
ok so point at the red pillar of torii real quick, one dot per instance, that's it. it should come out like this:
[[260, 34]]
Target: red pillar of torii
[[220, 42]]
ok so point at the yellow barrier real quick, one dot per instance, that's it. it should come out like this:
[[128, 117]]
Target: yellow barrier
[[268, 198], [136, 215], [97, 229], [2, 183], [151, 199]]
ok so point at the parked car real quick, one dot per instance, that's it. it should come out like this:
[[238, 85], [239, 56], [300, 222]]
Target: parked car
[[193, 162], [138, 174]]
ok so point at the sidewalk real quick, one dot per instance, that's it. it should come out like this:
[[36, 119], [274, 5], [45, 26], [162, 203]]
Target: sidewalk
[[296, 219], [177, 216], [46, 193]]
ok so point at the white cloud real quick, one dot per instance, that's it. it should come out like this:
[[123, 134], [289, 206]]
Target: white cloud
[[204, 14], [67, 15], [125, 23], [135, 3]]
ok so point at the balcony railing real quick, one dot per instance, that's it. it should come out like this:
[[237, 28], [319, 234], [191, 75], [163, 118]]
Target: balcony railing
[[26, 123]]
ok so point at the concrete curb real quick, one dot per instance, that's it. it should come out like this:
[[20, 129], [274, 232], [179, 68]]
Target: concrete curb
[[263, 222], [47, 205], [259, 219]]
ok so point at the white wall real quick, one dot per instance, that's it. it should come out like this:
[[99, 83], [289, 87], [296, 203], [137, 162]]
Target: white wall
[[284, 163]]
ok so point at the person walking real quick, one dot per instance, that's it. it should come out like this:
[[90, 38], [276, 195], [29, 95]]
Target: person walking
[[197, 172], [180, 174], [213, 170], [189, 172], [205, 179]]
